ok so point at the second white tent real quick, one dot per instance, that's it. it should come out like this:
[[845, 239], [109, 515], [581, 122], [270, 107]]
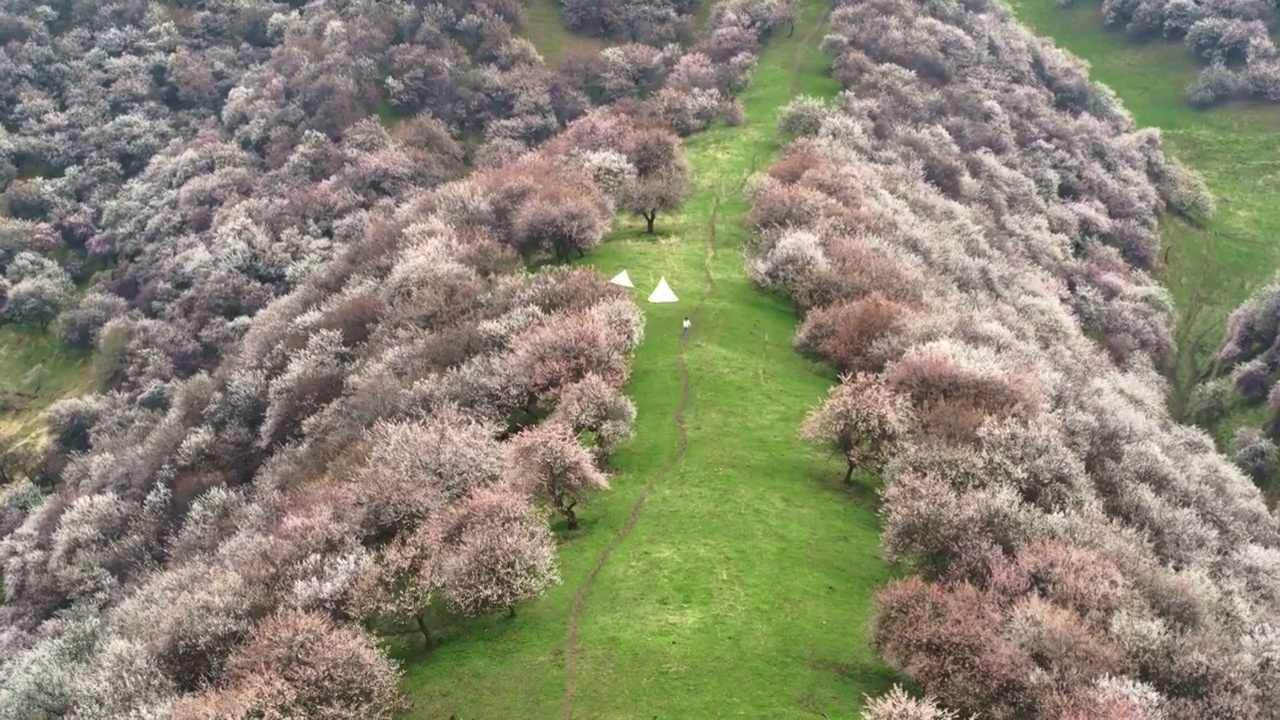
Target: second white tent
[[663, 293]]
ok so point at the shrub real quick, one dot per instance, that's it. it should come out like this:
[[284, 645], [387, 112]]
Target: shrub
[[1215, 84], [18, 460], [1208, 401], [78, 326], [1250, 380], [1254, 323], [1262, 78], [802, 116], [36, 301], [71, 420], [1186, 192], [1224, 39], [898, 705], [1255, 455]]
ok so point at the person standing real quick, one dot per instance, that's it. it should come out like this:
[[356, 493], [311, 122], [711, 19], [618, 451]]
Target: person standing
[[684, 327]]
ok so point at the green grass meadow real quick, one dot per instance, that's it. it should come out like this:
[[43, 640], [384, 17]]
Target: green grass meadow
[[744, 589], [1235, 147]]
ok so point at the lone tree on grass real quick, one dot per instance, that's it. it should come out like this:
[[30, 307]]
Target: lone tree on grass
[[859, 411], [662, 175], [36, 301]]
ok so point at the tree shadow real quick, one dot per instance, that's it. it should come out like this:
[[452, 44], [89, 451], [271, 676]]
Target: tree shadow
[[877, 677]]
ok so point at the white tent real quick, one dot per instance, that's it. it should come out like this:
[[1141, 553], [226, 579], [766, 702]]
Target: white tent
[[622, 279], [662, 293]]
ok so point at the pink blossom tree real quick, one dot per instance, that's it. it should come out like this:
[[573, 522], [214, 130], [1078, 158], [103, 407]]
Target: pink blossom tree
[[596, 407], [662, 175], [300, 664], [859, 414], [944, 639], [548, 462], [565, 349], [898, 705], [492, 551]]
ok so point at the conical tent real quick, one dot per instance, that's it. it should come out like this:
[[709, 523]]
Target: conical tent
[[662, 293], [622, 279]]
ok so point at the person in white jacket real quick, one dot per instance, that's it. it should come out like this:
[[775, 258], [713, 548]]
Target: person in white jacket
[[684, 327]]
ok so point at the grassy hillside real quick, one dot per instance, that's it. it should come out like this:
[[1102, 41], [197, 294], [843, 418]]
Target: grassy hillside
[[738, 583], [37, 370], [1235, 147]]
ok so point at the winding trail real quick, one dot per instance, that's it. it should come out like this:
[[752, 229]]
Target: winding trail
[[572, 642], [682, 444], [746, 589], [802, 53]]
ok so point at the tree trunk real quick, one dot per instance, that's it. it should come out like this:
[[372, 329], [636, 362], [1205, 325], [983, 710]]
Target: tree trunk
[[570, 517], [649, 218], [848, 475], [422, 626], [511, 611]]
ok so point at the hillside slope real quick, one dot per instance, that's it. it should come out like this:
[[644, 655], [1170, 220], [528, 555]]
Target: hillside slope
[[1234, 147], [731, 581]]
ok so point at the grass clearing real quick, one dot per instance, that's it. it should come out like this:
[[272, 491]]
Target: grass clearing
[[543, 25], [702, 13], [1236, 147], [744, 588], [63, 373]]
